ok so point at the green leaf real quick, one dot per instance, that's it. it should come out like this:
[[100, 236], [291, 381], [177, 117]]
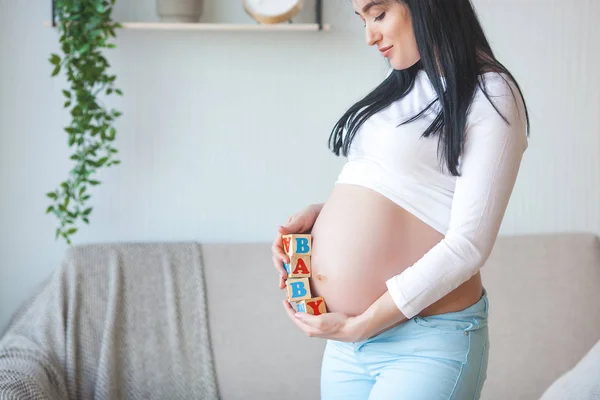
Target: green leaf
[[57, 233], [84, 48], [51, 195], [87, 211], [71, 231], [102, 161], [76, 111], [67, 94], [85, 220], [49, 209], [67, 104], [119, 92], [86, 197], [95, 33], [93, 183], [56, 70], [54, 59]]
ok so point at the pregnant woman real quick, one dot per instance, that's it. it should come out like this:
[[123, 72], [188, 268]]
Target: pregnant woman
[[433, 153]]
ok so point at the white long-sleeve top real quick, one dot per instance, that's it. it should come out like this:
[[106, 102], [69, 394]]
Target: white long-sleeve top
[[403, 166]]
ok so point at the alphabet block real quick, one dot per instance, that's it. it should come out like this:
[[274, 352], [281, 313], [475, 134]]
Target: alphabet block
[[297, 289], [297, 244], [299, 267], [298, 306], [314, 306]]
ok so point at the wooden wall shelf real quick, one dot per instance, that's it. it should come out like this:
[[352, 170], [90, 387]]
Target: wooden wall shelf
[[200, 26], [168, 26]]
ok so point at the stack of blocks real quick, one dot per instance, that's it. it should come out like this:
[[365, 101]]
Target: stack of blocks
[[299, 249]]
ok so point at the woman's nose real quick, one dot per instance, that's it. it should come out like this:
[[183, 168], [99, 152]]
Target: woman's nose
[[373, 36]]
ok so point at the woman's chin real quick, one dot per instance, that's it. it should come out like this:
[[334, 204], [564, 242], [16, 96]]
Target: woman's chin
[[402, 64]]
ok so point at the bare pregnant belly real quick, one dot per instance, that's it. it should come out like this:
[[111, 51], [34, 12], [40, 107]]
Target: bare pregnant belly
[[360, 240]]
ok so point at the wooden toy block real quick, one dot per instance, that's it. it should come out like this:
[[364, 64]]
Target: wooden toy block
[[298, 306], [286, 266], [297, 289], [314, 306], [297, 244], [299, 267]]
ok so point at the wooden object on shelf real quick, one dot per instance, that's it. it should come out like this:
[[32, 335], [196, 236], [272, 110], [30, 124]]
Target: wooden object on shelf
[[272, 11]]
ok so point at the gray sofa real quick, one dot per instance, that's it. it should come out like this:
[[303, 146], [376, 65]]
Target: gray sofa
[[544, 317]]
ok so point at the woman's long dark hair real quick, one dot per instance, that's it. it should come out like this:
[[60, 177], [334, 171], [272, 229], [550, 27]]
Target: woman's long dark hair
[[452, 44]]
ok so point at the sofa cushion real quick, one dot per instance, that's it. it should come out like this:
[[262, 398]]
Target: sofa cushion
[[580, 383], [259, 352], [544, 306]]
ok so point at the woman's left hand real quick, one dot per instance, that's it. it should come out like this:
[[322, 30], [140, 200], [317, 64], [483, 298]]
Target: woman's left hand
[[335, 326]]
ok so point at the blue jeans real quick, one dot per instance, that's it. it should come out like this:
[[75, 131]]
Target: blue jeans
[[425, 358]]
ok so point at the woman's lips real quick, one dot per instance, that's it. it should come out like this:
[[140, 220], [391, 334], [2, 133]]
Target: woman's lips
[[386, 50]]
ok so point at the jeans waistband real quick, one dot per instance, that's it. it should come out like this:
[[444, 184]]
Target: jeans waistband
[[479, 309]]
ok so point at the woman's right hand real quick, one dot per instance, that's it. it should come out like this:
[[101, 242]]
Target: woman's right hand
[[300, 222]]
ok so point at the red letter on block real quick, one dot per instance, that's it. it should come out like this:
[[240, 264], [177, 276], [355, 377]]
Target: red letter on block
[[314, 305], [300, 268], [286, 244]]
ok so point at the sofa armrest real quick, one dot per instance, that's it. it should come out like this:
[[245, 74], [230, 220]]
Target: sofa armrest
[[27, 373], [32, 349]]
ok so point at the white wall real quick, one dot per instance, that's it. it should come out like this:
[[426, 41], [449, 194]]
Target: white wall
[[214, 122]]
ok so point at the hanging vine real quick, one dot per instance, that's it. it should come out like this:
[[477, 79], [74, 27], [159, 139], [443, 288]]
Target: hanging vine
[[85, 27]]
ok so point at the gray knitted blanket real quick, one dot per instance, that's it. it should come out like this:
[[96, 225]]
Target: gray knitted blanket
[[115, 321]]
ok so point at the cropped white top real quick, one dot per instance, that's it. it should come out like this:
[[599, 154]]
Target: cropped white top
[[404, 166]]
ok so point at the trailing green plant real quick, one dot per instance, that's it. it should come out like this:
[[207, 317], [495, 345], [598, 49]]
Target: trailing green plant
[[85, 27]]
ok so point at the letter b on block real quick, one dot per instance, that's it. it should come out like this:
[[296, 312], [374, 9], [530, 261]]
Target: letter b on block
[[302, 246], [298, 289]]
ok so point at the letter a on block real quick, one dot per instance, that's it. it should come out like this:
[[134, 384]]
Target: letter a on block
[[300, 267], [298, 289], [286, 240]]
